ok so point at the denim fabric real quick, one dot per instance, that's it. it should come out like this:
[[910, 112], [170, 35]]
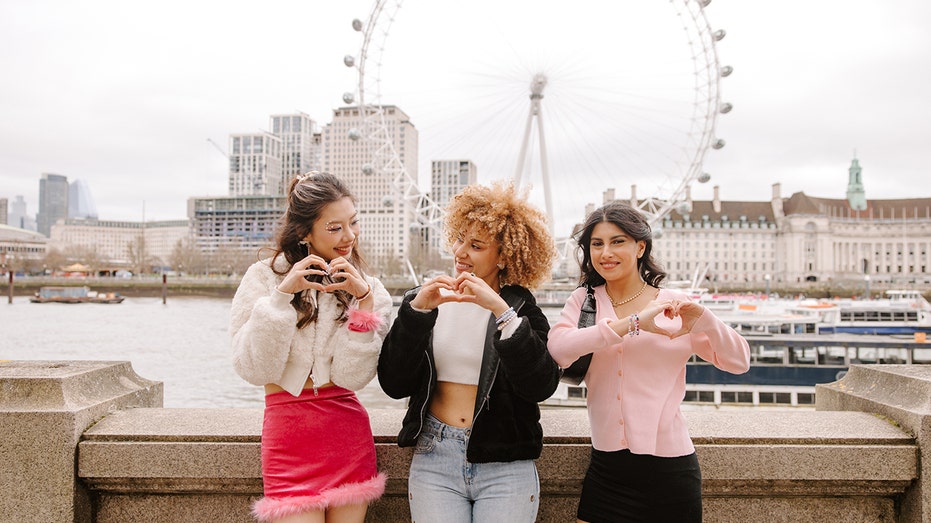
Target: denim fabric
[[445, 487]]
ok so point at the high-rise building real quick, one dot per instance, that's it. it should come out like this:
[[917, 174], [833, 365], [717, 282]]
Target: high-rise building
[[244, 223], [80, 202], [18, 217], [300, 145], [255, 165], [382, 176], [447, 179], [53, 201], [4, 211]]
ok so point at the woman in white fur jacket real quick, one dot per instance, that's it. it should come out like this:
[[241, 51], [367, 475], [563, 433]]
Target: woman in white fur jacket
[[307, 324]]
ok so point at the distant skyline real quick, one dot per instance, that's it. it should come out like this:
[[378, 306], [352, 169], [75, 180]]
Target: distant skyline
[[125, 96]]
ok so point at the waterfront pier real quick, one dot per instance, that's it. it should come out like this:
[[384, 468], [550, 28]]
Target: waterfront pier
[[90, 442]]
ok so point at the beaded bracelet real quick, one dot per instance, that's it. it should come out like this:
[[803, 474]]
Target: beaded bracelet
[[504, 323], [635, 321], [505, 317]]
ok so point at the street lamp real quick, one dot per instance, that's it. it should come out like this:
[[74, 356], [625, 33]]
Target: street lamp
[[767, 278], [866, 280]]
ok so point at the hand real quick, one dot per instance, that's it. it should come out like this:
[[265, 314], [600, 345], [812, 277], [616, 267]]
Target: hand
[[478, 291], [431, 294], [295, 280], [344, 276], [687, 310]]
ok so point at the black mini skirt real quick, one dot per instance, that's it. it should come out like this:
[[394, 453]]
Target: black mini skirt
[[624, 487]]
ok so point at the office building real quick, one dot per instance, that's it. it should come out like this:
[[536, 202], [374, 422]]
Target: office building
[[379, 168], [241, 223], [300, 145], [111, 244], [447, 179], [53, 201], [255, 165], [80, 202], [4, 211], [18, 216]]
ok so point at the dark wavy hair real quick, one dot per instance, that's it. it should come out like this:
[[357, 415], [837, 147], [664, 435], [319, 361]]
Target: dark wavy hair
[[307, 196], [631, 222]]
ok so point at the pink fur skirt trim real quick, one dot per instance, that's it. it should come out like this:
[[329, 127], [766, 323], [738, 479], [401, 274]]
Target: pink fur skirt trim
[[270, 509], [317, 452]]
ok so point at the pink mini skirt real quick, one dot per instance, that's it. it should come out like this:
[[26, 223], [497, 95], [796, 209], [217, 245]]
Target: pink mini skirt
[[317, 452]]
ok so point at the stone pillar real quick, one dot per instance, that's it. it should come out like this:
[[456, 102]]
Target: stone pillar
[[901, 393], [45, 407]]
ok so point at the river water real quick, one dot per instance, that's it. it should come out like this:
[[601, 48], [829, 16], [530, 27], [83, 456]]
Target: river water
[[183, 343]]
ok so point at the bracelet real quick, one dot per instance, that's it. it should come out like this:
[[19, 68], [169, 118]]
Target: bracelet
[[366, 295], [504, 323], [634, 325], [505, 317]]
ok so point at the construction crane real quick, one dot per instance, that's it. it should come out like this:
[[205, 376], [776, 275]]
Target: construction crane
[[213, 143]]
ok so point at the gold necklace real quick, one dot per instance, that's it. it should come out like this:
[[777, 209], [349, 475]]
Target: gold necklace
[[618, 304]]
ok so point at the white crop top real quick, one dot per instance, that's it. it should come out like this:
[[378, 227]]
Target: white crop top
[[459, 341]]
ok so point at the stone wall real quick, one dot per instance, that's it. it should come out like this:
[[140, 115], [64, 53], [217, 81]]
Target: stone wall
[[130, 460]]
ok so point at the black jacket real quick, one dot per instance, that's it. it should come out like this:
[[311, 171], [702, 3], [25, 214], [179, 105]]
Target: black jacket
[[516, 374]]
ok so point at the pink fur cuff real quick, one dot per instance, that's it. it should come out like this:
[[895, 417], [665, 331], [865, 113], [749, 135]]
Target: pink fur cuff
[[363, 321]]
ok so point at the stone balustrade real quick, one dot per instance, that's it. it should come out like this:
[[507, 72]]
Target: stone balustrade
[[88, 442]]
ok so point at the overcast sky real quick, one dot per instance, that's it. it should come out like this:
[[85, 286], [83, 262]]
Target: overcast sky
[[124, 95]]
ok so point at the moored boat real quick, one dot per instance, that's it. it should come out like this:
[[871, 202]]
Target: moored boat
[[81, 294]]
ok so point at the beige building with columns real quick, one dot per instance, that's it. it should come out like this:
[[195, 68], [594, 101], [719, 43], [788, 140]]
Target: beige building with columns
[[797, 238]]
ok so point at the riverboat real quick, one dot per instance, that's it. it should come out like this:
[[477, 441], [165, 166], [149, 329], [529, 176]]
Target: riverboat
[[82, 294], [784, 368], [899, 312]]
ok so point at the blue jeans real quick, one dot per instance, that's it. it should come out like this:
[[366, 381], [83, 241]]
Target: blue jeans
[[445, 487]]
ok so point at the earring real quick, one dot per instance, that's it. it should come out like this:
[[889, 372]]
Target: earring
[[302, 242], [500, 266]]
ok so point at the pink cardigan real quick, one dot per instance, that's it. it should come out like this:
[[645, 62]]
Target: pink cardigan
[[636, 383]]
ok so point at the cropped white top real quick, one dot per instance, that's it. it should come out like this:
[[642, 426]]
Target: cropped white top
[[459, 341]]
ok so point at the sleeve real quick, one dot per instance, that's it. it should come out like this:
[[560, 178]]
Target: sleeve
[[262, 324], [526, 361], [567, 342], [356, 353], [403, 361], [719, 344]]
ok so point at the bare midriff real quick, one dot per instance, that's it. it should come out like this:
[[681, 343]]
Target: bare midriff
[[454, 403], [271, 388]]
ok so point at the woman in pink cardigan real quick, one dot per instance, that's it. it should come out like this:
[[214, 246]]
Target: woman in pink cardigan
[[643, 465]]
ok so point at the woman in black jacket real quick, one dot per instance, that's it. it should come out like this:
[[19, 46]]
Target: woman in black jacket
[[470, 352]]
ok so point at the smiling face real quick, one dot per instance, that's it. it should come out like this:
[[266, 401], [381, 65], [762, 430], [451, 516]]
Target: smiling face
[[614, 253], [479, 254], [335, 231]]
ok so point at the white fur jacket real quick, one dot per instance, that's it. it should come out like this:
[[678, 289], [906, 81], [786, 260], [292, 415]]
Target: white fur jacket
[[269, 348]]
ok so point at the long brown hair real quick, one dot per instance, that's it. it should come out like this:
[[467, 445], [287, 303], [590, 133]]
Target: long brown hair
[[307, 196], [631, 222]]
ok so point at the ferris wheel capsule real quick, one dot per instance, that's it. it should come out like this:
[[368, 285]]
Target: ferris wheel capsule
[[354, 134], [367, 169], [719, 143], [357, 24], [725, 108], [349, 60], [348, 97], [704, 178]]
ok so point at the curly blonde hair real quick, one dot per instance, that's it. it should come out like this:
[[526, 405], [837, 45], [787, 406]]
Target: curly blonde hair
[[527, 248]]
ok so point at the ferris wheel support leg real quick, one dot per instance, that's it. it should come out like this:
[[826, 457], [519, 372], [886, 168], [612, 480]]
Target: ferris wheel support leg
[[523, 147], [545, 168]]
